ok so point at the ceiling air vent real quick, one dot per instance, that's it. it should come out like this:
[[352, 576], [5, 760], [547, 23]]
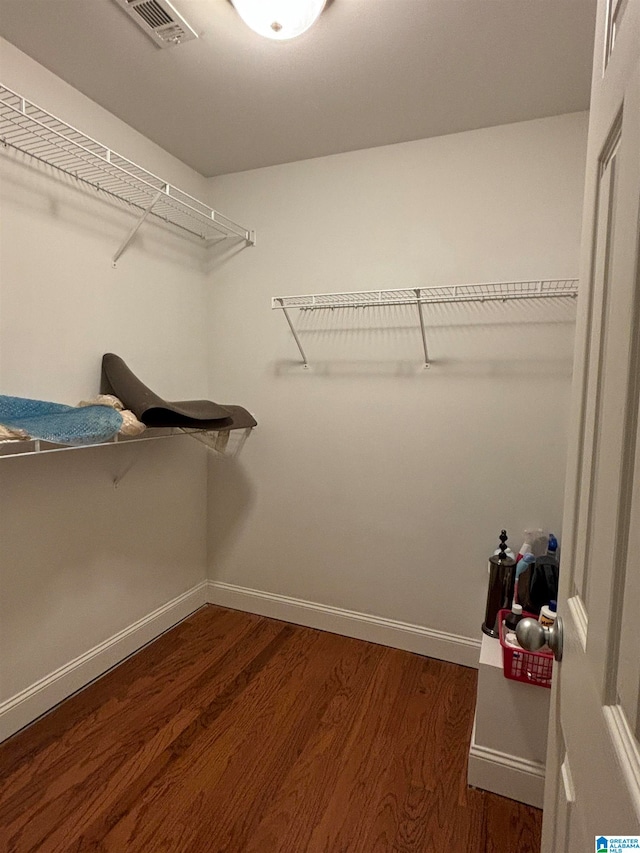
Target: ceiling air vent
[[159, 20]]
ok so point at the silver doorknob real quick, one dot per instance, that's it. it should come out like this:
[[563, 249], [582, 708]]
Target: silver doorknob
[[533, 636]]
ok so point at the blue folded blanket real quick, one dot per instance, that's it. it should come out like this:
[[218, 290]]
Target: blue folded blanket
[[58, 423]]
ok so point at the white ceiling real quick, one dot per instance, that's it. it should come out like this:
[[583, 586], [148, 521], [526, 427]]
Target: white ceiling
[[369, 73]]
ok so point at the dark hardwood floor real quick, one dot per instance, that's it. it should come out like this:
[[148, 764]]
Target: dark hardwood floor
[[237, 733]]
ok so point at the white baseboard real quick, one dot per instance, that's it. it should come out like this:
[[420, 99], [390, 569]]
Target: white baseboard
[[44, 694], [26, 706], [508, 775], [350, 623]]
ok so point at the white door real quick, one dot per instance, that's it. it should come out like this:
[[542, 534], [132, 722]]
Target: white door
[[593, 764]]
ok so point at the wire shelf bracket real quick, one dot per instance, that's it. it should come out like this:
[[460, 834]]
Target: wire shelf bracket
[[27, 128], [501, 291]]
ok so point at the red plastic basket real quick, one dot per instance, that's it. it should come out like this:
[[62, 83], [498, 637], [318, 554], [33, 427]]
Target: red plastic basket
[[528, 667]]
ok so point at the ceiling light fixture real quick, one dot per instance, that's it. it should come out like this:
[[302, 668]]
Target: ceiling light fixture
[[279, 19]]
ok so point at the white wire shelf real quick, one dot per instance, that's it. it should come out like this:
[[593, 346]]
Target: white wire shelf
[[500, 290], [225, 442], [496, 291], [28, 128]]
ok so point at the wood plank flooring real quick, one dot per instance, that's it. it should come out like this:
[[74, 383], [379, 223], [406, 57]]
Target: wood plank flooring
[[238, 734]]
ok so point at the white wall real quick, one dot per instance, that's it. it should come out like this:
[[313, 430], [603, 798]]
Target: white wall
[[372, 484], [81, 560]]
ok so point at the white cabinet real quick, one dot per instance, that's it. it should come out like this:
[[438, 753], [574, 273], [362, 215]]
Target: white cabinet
[[509, 741]]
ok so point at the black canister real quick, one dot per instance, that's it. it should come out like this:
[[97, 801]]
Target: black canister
[[502, 576]]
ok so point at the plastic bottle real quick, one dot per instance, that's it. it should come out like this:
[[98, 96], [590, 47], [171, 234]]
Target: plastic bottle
[[514, 617], [523, 564], [548, 614], [525, 548], [536, 540], [552, 547]]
